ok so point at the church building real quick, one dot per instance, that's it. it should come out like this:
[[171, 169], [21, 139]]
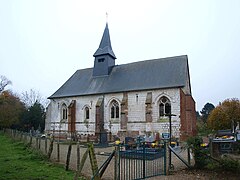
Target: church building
[[125, 100]]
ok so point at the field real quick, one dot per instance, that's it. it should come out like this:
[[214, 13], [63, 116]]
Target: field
[[17, 161]]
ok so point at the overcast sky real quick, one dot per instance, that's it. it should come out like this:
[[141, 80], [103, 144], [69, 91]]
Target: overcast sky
[[42, 43]]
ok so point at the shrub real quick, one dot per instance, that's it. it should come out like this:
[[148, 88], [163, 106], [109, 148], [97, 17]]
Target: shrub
[[203, 160], [200, 153], [229, 164], [213, 166]]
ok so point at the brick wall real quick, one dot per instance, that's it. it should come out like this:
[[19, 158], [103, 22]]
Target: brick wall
[[188, 116]]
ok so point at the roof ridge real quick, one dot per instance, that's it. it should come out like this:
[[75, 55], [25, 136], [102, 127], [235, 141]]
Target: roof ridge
[[147, 60], [141, 61]]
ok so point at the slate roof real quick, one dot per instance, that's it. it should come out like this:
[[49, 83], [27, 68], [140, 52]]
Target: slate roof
[[105, 44], [143, 75]]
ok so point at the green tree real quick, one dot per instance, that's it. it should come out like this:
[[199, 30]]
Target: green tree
[[206, 110], [224, 114], [11, 109], [33, 116]]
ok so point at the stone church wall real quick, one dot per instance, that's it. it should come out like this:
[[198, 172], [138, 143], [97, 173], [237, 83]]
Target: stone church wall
[[81, 103], [137, 113], [137, 123], [163, 123]]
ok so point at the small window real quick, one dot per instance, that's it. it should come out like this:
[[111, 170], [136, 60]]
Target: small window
[[86, 113], [101, 60], [164, 106], [64, 111], [137, 98]]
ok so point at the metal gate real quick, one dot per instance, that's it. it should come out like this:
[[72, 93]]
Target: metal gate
[[142, 160]]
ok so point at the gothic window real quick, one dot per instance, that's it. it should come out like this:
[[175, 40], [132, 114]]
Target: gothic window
[[86, 112], [164, 106], [64, 111], [114, 108]]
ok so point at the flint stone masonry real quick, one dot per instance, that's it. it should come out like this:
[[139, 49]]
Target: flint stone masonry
[[135, 109]]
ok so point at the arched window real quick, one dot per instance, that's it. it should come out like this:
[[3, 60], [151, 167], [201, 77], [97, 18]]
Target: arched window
[[86, 112], [164, 106], [64, 111], [114, 108]]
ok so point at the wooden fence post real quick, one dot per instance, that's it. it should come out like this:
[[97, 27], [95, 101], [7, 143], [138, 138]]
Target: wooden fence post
[[116, 163], [36, 142], [14, 134], [83, 160], [78, 156], [26, 138], [68, 156], [93, 161], [30, 142], [39, 143], [58, 152], [20, 136], [45, 145], [167, 157], [78, 161], [23, 138], [50, 149]]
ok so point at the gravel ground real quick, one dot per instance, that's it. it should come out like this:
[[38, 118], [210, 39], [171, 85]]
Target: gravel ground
[[109, 173], [180, 172]]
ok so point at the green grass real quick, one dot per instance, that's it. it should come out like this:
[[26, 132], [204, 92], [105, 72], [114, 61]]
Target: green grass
[[17, 161]]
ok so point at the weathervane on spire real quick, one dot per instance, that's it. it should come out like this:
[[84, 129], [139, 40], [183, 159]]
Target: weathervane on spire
[[106, 17]]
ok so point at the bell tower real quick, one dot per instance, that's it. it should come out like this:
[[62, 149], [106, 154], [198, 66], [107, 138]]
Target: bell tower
[[104, 56]]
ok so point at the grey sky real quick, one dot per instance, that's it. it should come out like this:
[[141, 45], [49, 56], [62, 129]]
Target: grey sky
[[42, 43]]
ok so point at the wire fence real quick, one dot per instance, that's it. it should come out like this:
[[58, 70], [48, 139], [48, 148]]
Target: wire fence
[[58, 151], [128, 160]]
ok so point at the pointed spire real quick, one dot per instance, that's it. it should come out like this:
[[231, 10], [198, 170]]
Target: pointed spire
[[105, 44]]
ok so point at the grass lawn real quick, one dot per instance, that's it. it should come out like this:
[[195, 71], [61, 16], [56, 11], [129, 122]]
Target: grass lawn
[[17, 161]]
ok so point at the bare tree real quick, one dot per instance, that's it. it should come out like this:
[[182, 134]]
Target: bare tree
[[4, 82], [30, 97]]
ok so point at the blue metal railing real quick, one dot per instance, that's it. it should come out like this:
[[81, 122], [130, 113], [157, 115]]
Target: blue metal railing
[[139, 160]]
